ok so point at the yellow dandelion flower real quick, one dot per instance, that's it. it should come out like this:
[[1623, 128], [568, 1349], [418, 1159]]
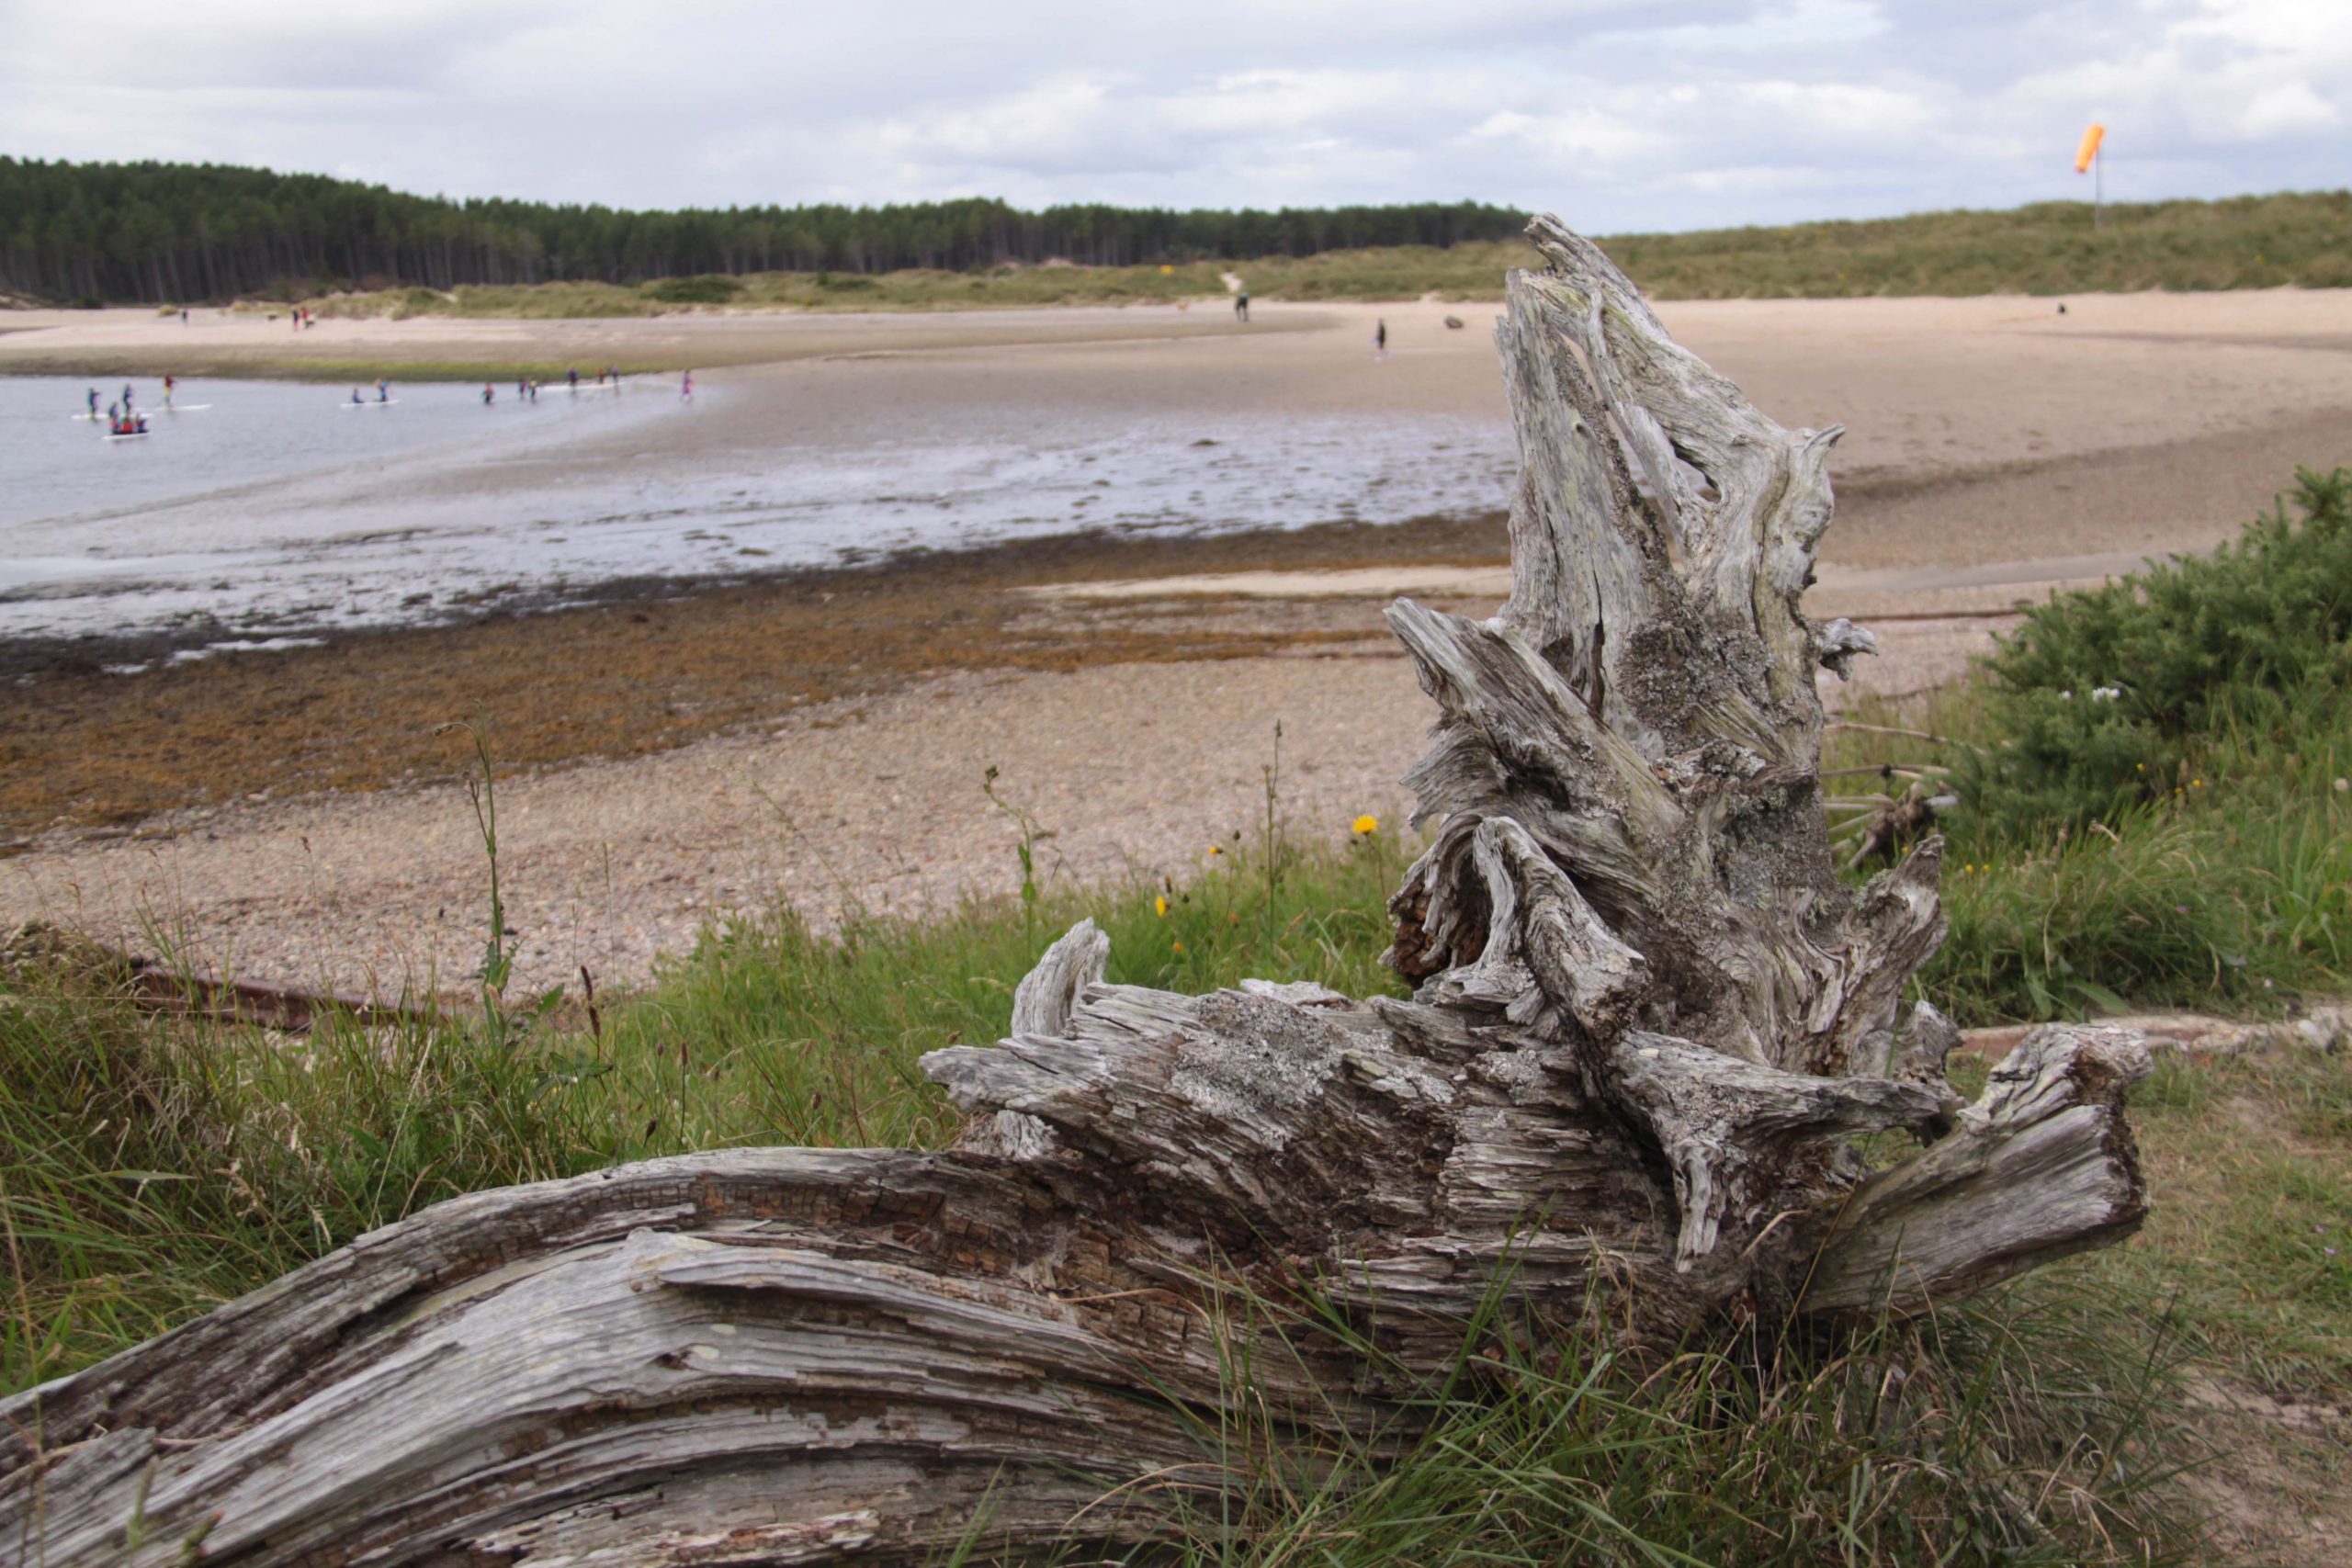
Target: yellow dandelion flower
[[1160, 904], [1367, 823], [1216, 848]]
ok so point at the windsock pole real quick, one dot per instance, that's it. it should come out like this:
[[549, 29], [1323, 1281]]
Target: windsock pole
[[2087, 158]]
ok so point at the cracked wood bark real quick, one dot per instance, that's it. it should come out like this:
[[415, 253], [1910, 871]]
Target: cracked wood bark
[[1649, 1019]]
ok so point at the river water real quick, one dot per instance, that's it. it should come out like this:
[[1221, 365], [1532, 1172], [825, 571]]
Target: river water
[[269, 512]]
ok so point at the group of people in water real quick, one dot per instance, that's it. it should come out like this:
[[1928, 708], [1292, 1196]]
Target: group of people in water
[[123, 418], [526, 388]]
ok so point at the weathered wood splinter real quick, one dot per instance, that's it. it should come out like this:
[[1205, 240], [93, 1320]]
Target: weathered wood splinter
[[1649, 1018]]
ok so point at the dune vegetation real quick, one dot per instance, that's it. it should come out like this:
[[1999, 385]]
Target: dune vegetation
[[2292, 240], [2301, 239]]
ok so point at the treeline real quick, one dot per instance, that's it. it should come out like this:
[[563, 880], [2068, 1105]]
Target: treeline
[[153, 232]]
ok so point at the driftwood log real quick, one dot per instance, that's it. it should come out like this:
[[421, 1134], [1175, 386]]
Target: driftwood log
[[1649, 1022]]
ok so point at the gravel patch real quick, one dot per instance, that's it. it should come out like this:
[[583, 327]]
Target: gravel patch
[[870, 804]]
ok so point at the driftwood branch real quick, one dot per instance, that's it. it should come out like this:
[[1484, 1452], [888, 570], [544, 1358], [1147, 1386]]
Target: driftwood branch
[[1649, 1023]]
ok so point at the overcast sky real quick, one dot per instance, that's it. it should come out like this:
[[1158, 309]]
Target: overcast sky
[[1620, 115]]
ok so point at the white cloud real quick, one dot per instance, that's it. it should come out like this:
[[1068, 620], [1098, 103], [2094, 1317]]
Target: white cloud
[[2284, 110], [1573, 134], [1843, 109], [1629, 113], [1803, 26]]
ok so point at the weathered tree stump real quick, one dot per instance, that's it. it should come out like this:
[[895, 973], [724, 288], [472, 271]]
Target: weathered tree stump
[[1649, 1021]]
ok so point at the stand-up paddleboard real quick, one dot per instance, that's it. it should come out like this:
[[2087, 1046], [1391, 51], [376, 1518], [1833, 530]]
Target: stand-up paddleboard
[[133, 435], [186, 408], [370, 403], [93, 418]]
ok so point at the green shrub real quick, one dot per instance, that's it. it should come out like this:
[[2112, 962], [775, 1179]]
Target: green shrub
[[412, 302], [707, 290], [2103, 699]]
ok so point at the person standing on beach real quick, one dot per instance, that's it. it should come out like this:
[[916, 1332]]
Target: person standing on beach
[[1241, 305], [1380, 339]]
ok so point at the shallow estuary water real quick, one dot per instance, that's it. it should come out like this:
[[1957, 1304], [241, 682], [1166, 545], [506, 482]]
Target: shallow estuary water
[[265, 511]]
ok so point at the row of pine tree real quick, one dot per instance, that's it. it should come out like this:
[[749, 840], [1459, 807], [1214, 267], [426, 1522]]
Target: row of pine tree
[[153, 232]]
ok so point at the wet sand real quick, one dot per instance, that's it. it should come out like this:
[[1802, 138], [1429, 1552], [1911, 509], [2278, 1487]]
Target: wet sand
[[820, 737], [244, 342]]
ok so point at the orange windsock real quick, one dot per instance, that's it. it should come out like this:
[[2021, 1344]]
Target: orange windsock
[[2090, 148]]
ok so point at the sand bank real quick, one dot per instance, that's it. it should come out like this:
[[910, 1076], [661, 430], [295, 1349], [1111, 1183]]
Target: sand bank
[[822, 739], [870, 803]]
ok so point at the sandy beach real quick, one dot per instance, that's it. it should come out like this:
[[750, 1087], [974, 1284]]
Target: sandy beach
[[685, 749]]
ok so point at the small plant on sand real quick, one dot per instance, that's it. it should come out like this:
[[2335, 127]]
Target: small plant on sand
[[1025, 849], [1270, 832], [502, 1025]]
